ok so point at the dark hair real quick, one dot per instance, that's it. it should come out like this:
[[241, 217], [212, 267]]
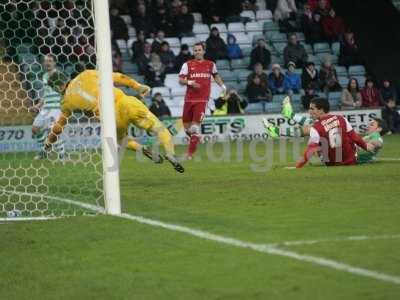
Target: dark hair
[[349, 84], [382, 124], [57, 79], [200, 44], [164, 43], [321, 103], [368, 80]]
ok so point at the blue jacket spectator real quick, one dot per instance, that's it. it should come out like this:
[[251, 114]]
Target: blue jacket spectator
[[293, 80], [277, 82], [234, 50]]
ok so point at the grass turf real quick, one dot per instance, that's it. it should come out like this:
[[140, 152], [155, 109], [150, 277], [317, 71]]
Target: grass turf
[[109, 258]]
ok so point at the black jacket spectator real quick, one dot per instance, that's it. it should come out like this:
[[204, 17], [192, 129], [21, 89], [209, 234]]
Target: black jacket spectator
[[142, 21], [260, 54], [236, 104], [138, 45], [215, 46], [388, 91], [183, 22], [256, 91], [155, 72], [162, 21], [313, 30], [183, 57], [144, 59], [258, 71], [118, 26], [159, 39], [328, 77], [349, 53], [167, 58], [391, 116], [309, 76], [159, 108], [295, 52], [307, 97]]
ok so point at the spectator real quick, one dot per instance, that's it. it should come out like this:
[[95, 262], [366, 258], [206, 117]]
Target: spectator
[[293, 79], [231, 104], [183, 22], [142, 21], [388, 91], [333, 26], [276, 80], [309, 94], [118, 26], [116, 59], [314, 4], [351, 96], [295, 52], [258, 71], [138, 45], [284, 13], [260, 54], [310, 75], [175, 8], [328, 77], [212, 11], [370, 95], [167, 58], [391, 116], [163, 22], [215, 46], [156, 5], [183, 56], [144, 60], [311, 26], [234, 50], [349, 54], [256, 91], [158, 107], [323, 8], [158, 40], [155, 73]]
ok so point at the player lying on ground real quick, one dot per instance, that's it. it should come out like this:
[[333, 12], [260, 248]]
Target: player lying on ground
[[196, 74], [82, 93], [376, 129]]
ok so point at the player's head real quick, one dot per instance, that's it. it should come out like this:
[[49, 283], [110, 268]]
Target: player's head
[[377, 125], [319, 107], [58, 81], [199, 50], [49, 62]]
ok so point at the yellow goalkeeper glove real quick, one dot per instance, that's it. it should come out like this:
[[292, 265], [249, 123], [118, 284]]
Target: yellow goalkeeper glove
[[144, 90]]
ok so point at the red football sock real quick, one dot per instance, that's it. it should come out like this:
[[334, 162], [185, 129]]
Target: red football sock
[[194, 141]]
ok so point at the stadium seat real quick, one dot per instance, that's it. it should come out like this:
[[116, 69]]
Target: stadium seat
[[356, 71], [178, 101], [301, 37], [130, 68], [296, 98], [223, 64], [261, 4], [176, 50], [341, 71], [236, 27], [201, 29], [127, 19], [279, 47], [201, 37], [308, 48], [326, 56], [176, 111], [277, 37], [241, 87], [178, 90], [248, 14], [242, 39], [322, 48], [315, 59], [131, 32], [278, 98], [336, 48], [253, 26], [246, 51], [272, 107], [343, 81], [173, 42], [242, 74], [255, 108], [334, 99], [164, 91], [220, 26], [171, 80], [240, 63], [228, 76], [270, 26], [190, 41], [198, 19], [216, 90], [264, 15], [277, 60], [122, 45], [361, 80], [256, 37]]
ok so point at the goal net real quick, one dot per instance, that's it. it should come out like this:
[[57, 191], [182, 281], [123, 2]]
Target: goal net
[[36, 38]]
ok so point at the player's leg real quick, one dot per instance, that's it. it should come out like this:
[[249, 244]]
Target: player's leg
[[59, 145], [39, 134], [198, 113]]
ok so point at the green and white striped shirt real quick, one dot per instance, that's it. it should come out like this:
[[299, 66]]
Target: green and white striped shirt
[[51, 99]]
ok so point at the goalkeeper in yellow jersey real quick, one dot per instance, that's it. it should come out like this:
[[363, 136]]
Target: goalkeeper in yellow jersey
[[82, 93]]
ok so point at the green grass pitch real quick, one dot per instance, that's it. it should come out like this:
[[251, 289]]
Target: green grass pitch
[[105, 257]]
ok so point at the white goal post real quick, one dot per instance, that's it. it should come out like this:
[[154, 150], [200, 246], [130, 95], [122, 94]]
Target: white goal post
[[108, 137]]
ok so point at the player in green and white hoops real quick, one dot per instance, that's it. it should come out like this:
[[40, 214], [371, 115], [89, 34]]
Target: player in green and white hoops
[[376, 129], [49, 108]]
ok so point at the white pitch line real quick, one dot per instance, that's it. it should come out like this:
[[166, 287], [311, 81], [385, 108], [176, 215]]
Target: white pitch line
[[339, 239], [263, 248], [388, 159]]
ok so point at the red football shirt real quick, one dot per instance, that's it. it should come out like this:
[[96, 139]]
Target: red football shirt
[[334, 135], [201, 72]]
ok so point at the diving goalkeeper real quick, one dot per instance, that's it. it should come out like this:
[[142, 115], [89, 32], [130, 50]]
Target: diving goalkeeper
[[82, 93]]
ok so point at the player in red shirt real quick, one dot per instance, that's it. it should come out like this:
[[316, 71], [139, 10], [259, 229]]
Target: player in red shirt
[[332, 137], [196, 74]]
